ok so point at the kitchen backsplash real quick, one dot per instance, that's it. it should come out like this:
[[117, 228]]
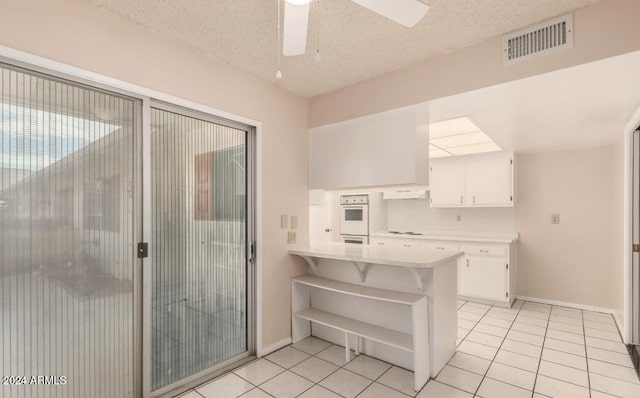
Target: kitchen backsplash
[[417, 216]]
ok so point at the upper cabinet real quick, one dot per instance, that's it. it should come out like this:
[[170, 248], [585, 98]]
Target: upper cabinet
[[472, 181], [448, 179], [389, 148], [490, 181]]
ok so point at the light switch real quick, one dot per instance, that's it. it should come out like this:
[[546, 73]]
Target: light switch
[[291, 237], [555, 218], [294, 222], [284, 221]]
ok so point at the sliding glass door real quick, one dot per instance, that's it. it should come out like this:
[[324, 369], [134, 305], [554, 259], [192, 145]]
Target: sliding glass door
[[67, 233], [85, 173], [200, 220]]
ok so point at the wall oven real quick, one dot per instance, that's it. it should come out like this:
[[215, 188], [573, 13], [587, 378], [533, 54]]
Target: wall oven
[[354, 239], [354, 216]]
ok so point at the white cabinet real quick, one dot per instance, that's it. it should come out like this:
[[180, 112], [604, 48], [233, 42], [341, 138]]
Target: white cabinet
[[482, 277], [447, 184], [486, 272], [395, 242], [472, 181], [379, 241], [389, 148], [440, 245], [489, 181]]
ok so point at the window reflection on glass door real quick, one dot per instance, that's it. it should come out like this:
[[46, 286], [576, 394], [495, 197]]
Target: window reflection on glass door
[[67, 257], [199, 245]]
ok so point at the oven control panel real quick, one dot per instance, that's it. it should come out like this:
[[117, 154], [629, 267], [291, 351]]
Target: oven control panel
[[354, 199]]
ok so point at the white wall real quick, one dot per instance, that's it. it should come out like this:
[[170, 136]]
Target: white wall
[[416, 216], [617, 216], [570, 261]]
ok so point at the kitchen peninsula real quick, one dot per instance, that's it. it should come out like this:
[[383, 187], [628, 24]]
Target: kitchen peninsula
[[394, 303]]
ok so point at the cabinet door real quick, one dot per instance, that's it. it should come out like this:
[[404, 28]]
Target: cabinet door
[[447, 184], [489, 182], [377, 241], [483, 277]]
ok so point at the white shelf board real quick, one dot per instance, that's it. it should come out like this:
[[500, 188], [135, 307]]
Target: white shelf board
[[359, 291], [379, 334]]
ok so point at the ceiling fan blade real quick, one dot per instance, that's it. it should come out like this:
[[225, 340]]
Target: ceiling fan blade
[[294, 39], [404, 12]]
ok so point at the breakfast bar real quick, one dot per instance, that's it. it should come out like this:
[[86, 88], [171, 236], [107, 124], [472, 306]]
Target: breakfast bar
[[393, 303]]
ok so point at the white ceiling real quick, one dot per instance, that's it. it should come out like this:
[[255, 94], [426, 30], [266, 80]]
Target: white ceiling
[[356, 44], [583, 106]]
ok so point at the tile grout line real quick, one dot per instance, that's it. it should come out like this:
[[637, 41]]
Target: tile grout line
[[544, 339], [498, 349], [347, 370], [324, 378], [492, 361], [586, 352]]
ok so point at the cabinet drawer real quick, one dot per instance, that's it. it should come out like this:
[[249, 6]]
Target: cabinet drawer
[[404, 243], [498, 251], [442, 246], [383, 242]]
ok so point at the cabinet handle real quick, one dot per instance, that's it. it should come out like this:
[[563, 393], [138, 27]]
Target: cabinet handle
[[484, 251], [467, 263], [440, 248], [474, 199], [461, 199], [407, 245], [380, 244]]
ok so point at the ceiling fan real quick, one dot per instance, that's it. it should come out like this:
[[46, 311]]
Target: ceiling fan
[[296, 18]]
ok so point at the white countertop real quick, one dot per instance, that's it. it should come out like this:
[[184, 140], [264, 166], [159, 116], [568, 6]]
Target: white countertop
[[486, 237], [412, 257]]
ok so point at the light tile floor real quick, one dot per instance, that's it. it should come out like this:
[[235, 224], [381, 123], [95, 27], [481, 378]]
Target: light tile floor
[[530, 350]]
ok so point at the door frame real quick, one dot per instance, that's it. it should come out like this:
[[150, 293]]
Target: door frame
[[632, 126], [61, 70]]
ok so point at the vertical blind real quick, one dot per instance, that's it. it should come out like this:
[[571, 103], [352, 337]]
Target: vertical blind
[[199, 222], [66, 238]]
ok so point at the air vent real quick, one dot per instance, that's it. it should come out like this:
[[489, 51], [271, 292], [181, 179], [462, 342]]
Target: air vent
[[537, 40]]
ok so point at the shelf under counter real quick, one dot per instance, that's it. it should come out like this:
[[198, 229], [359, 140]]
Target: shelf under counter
[[426, 283]]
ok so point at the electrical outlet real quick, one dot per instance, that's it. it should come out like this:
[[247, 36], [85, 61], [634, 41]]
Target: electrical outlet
[[291, 237], [284, 221], [294, 222], [555, 218]]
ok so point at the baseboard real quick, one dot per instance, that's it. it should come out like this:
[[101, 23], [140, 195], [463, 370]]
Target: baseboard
[[623, 332], [568, 305], [275, 346]]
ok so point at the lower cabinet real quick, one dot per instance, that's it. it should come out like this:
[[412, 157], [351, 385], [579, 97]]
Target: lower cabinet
[[486, 272], [483, 277]]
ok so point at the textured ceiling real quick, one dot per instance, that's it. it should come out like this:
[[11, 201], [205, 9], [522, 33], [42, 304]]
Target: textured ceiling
[[355, 43]]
